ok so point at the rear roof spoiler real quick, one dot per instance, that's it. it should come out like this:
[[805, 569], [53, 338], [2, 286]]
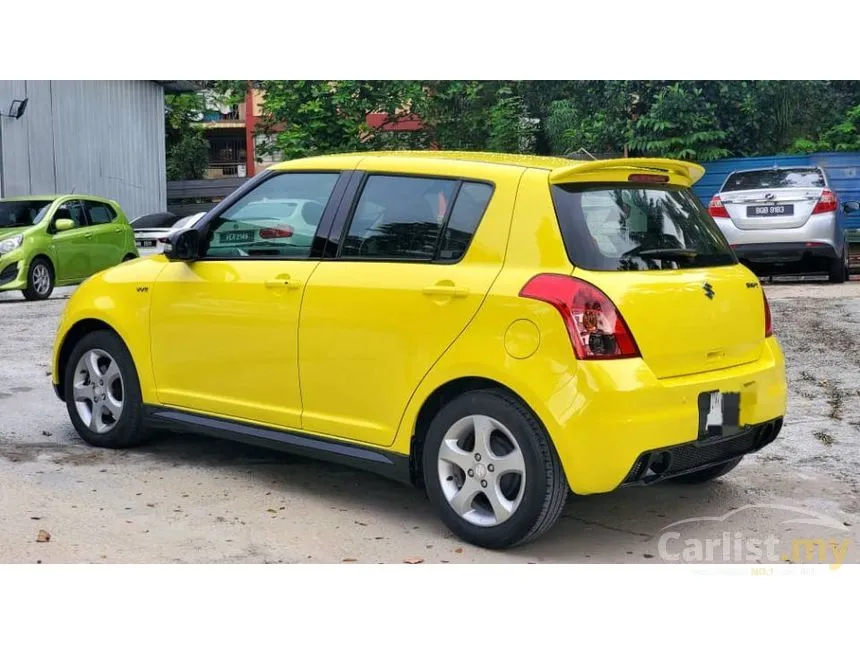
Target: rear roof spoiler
[[680, 172]]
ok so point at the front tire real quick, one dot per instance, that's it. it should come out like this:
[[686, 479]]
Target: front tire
[[40, 280], [708, 474], [102, 392], [491, 471]]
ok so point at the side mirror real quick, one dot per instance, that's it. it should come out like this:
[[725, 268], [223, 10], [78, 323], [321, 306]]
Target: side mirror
[[183, 245], [64, 224], [851, 207]]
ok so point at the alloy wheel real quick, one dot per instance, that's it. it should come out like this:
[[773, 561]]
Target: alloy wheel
[[41, 279], [482, 470], [98, 391]]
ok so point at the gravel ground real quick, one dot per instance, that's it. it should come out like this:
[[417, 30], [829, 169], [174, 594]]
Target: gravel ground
[[189, 499]]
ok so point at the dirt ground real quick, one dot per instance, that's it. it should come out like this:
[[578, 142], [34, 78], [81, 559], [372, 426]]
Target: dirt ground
[[187, 499]]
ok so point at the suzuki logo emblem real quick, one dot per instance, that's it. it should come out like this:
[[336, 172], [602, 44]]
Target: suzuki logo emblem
[[709, 290]]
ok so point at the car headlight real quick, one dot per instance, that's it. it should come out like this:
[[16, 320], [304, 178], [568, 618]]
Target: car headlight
[[11, 244]]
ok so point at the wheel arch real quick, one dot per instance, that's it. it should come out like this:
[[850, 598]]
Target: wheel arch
[[78, 331], [437, 399], [41, 255]]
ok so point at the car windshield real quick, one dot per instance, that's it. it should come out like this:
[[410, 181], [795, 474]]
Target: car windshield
[[634, 228], [23, 212], [775, 178]]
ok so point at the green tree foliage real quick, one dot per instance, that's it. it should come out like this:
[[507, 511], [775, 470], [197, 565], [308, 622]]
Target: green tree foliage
[[698, 120], [680, 124], [842, 137], [324, 117], [510, 127], [186, 147]]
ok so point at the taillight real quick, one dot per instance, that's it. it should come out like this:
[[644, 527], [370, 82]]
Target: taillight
[[271, 233], [596, 328], [768, 321], [826, 203], [716, 208]]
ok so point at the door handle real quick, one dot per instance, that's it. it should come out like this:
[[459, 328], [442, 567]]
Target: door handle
[[88, 235], [283, 282], [446, 290]]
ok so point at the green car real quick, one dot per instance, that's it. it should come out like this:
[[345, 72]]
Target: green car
[[59, 240]]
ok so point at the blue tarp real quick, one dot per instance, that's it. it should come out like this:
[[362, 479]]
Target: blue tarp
[[843, 168]]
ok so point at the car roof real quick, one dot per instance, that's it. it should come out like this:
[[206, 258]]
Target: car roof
[[560, 169], [403, 156]]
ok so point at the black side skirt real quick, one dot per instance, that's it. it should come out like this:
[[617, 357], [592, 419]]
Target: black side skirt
[[382, 462]]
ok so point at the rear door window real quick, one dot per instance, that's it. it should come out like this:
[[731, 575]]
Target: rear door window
[[775, 178], [631, 228], [399, 218], [100, 213], [423, 219]]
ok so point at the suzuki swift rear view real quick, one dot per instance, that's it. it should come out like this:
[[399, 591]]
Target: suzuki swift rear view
[[497, 330]]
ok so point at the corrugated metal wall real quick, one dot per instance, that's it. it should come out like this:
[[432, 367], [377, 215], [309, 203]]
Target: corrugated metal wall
[[97, 137]]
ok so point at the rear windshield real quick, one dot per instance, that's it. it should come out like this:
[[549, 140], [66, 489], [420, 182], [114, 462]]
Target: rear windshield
[[19, 212], [273, 209], [632, 228], [776, 178], [155, 220]]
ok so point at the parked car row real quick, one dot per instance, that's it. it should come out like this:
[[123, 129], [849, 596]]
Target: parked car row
[[785, 221], [778, 221]]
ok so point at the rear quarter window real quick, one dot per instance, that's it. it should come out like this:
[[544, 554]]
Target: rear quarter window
[[624, 227]]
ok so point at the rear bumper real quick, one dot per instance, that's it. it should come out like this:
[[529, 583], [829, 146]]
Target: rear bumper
[[657, 465], [786, 252], [822, 229], [627, 412]]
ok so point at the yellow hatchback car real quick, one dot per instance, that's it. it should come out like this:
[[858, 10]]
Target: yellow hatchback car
[[498, 330]]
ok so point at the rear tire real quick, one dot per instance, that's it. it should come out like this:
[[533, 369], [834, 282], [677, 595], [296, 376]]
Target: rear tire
[[708, 474], [40, 280], [102, 392], [493, 494], [839, 269]]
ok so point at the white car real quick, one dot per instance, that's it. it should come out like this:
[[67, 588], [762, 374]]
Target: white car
[[151, 231]]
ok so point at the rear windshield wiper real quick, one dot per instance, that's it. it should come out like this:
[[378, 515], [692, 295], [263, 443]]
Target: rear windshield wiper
[[687, 254]]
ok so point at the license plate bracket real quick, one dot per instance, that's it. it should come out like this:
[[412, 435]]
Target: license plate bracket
[[719, 414]]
